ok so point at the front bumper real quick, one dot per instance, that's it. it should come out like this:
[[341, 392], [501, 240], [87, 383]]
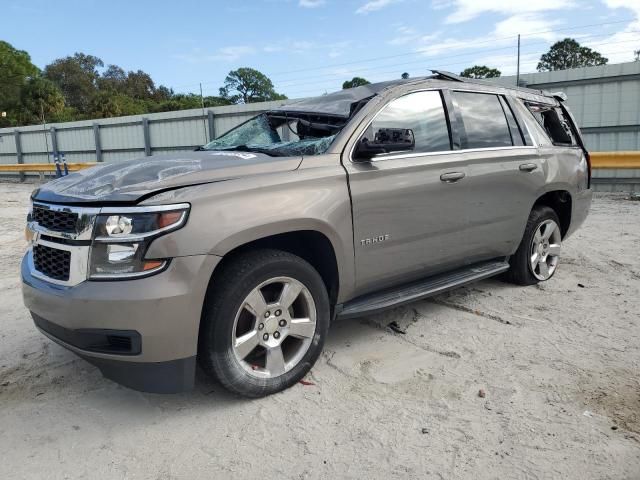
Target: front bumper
[[160, 315]]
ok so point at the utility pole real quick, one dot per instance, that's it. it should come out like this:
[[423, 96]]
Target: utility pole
[[44, 128], [637, 54], [204, 117], [518, 67]]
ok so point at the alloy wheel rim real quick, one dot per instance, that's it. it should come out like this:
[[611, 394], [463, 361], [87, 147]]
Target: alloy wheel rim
[[274, 327], [545, 250]]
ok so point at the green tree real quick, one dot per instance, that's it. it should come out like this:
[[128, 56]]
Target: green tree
[[15, 71], [404, 76], [139, 85], [163, 93], [355, 82], [113, 78], [40, 101], [183, 101], [247, 85], [567, 54], [77, 78], [480, 71]]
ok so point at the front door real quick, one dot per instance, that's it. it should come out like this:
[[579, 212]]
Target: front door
[[409, 208]]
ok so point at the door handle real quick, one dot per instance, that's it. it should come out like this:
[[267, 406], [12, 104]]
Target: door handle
[[451, 177], [528, 167]]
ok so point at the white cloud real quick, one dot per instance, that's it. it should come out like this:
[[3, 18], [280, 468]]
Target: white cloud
[[233, 52], [226, 54], [374, 5], [337, 49], [300, 46], [311, 3], [530, 25], [619, 46], [466, 10], [272, 48], [404, 35]]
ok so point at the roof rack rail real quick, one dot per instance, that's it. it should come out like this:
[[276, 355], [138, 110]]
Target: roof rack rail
[[449, 76], [559, 96]]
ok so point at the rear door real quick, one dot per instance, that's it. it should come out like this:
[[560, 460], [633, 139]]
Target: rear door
[[409, 208], [505, 174]]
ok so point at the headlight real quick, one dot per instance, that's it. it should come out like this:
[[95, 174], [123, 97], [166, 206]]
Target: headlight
[[121, 238]]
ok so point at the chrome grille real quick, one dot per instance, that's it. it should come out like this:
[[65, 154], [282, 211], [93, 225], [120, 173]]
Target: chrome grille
[[52, 262], [55, 220]]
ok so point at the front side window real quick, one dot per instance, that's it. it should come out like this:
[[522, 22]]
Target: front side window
[[484, 121], [419, 116]]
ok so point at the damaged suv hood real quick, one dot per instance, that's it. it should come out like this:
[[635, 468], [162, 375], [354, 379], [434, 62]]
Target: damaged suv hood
[[128, 181]]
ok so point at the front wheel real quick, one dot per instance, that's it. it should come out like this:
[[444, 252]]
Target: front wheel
[[264, 323], [536, 259]]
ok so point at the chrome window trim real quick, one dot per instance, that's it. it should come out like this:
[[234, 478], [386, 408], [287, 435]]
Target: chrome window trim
[[448, 152], [442, 152]]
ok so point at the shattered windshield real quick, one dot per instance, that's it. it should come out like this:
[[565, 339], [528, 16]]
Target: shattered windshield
[[263, 134]]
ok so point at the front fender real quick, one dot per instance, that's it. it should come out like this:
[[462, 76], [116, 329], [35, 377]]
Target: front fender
[[230, 214]]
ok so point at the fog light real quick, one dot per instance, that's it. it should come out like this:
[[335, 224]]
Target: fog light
[[119, 225]]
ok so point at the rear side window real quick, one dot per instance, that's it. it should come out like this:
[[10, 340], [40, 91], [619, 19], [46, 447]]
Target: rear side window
[[420, 112], [484, 120], [552, 119]]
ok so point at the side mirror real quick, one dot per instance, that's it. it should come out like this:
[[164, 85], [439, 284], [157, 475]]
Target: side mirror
[[386, 140]]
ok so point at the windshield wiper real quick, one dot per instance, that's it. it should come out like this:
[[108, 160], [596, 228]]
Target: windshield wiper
[[247, 148]]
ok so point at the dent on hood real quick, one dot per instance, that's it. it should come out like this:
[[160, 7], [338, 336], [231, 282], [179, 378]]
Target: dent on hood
[[146, 174], [133, 179]]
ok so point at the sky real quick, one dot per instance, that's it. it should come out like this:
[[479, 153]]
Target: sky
[[308, 47]]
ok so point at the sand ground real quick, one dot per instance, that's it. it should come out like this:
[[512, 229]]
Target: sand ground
[[559, 363]]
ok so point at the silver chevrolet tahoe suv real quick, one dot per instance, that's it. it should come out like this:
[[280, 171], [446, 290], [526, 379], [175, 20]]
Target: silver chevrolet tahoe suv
[[239, 255]]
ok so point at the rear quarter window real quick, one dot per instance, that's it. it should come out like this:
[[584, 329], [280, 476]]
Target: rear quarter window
[[551, 118]]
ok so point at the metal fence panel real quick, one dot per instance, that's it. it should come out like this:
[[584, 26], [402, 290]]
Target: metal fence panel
[[189, 132], [75, 139], [604, 99], [120, 137]]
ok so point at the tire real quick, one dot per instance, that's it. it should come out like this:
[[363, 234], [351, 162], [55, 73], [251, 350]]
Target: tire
[[527, 265], [257, 336]]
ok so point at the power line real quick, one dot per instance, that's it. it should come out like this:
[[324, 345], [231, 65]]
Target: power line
[[375, 70], [405, 54], [428, 57], [492, 40], [297, 93]]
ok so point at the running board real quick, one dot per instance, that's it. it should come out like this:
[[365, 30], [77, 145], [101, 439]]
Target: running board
[[394, 297]]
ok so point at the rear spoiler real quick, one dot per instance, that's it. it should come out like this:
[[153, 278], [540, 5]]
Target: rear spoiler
[[560, 96]]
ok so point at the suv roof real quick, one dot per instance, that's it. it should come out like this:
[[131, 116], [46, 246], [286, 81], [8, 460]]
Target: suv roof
[[343, 102]]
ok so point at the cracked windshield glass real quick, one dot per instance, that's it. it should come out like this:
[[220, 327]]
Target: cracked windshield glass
[[260, 134]]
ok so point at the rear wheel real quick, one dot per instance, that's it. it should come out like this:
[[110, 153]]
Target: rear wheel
[[264, 324], [536, 259]]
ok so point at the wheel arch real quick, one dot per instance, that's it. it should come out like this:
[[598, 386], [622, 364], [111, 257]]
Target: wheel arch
[[311, 244], [561, 203]]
